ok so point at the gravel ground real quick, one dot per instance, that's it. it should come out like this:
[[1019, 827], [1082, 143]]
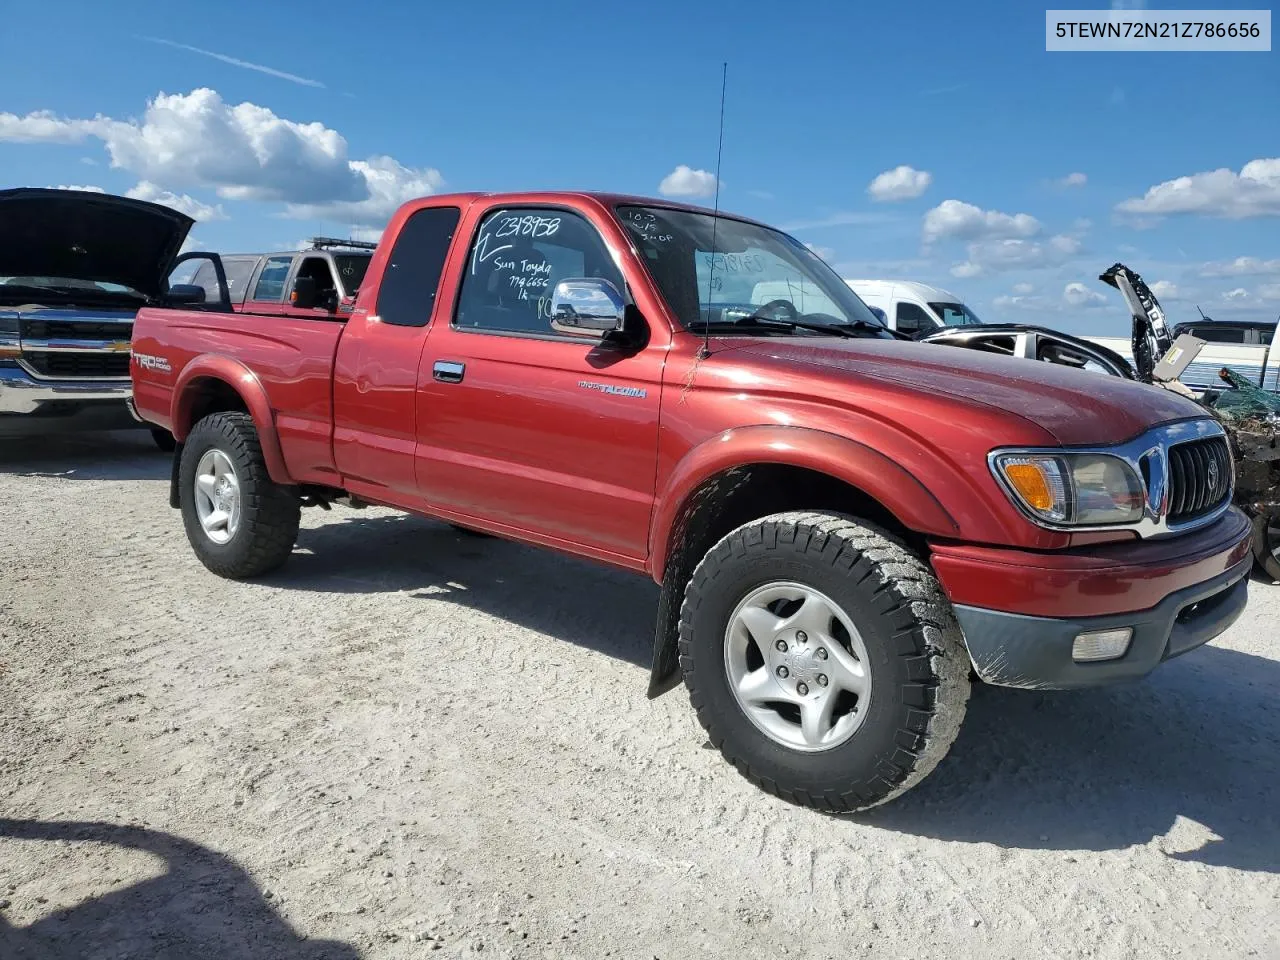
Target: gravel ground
[[411, 740]]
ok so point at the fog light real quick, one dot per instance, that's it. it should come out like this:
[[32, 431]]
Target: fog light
[[1101, 644]]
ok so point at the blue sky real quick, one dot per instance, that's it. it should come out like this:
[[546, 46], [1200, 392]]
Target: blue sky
[[323, 121]]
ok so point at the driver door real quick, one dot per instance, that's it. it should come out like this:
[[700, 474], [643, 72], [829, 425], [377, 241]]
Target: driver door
[[545, 434]]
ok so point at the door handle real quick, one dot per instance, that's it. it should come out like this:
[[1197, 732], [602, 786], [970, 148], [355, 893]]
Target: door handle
[[448, 371]]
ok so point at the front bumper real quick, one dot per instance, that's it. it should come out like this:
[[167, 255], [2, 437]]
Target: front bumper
[[29, 405], [1021, 611], [1013, 650]]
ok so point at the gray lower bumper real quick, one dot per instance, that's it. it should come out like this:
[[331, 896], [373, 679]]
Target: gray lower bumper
[[1012, 650], [29, 405]]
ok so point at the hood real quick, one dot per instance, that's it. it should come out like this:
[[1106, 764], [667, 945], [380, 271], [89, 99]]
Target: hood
[[1077, 407], [89, 236]]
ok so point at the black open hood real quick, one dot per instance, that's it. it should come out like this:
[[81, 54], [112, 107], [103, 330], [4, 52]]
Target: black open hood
[[89, 236]]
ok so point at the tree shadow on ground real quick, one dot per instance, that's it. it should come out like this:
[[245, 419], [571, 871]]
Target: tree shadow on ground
[[204, 905], [109, 455], [606, 610], [1109, 768]]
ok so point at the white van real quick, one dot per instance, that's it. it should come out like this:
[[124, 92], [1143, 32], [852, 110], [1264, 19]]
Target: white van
[[913, 308]]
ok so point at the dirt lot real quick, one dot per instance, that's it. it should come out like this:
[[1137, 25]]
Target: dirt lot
[[411, 740]]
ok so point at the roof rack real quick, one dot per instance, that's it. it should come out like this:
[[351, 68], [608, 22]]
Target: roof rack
[[324, 243]]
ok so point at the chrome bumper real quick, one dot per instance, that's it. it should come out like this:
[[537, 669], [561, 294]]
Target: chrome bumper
[[21, 393]]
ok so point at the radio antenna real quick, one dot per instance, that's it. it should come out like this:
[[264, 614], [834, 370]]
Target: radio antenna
[[715, 218]]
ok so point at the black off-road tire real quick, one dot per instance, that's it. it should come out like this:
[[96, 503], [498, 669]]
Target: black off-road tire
[[269, 513], [164, 439], [917, 661]]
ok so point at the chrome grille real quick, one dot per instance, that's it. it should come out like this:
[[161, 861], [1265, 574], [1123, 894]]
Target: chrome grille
[[1199, 478]]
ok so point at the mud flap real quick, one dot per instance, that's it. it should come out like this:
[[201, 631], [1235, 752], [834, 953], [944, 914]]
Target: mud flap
[[664, 674], [174, 500]]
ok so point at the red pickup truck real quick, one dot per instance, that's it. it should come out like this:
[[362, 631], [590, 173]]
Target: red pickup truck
[[847, 528]]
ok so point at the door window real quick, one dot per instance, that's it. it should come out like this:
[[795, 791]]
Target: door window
[[517, 258], [407, 293], [270, 285], [317, 269], [238, 271], [912, 320]]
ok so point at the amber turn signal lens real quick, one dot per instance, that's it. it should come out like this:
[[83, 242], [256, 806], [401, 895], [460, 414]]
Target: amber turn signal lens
[[1030, 482]]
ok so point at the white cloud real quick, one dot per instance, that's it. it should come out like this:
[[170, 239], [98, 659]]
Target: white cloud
[[146, 190], [955, 219], [1019, 302], [389, 184], [1014, 253], [1023, 289], [684, 181], [826, 253], [1073, 180], [900, 183], [1269, 291], [242, 152], [1223, 193], [1076, 294], [87, 188], [89, 161], [1241, 267], [245, 64], [1165, 290]]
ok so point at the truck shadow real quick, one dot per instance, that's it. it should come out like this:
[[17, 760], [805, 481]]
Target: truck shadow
[[1110, 768], [203, 905], [609, 611], [1098, 770], [113, 455]]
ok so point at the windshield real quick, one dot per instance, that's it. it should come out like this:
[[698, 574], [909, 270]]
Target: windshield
[[955, 314], [351, 268], [746, 270]]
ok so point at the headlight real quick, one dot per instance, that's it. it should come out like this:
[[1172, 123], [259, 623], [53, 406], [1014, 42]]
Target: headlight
[[1071, 489]]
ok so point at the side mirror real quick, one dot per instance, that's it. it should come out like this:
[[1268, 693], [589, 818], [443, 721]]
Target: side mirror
[[184, 293], [587, 307], [304, 293]]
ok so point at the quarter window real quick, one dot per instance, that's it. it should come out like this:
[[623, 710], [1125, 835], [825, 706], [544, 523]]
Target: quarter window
[[270, 285], [516, 260], [407, 293]]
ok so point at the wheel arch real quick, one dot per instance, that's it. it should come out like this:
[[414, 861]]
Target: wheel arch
[[743, 475], [215, 383]]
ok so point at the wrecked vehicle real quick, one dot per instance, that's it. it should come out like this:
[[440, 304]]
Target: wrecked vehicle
[[1176, 361], [843, 523], [75, 266]]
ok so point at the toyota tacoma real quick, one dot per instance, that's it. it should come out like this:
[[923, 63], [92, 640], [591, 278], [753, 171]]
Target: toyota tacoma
[[847, 528]]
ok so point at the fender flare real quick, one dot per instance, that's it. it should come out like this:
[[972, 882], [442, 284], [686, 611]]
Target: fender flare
[[246, 384], [851, 461]]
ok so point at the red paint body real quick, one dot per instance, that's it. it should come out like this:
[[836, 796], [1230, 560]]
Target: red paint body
[[520, 449]]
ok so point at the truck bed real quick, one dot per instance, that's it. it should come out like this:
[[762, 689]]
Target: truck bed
[[291, 358]]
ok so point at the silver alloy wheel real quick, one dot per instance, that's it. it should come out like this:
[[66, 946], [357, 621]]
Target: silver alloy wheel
[[217, 496], [1273, 536], [797, 666]]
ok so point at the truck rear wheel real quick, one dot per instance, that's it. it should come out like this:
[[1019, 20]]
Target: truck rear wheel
[[823, 660], [240, 523]]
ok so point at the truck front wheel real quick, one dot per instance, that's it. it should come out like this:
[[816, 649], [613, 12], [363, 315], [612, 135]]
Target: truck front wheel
[[240, 523], [823, 660]]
